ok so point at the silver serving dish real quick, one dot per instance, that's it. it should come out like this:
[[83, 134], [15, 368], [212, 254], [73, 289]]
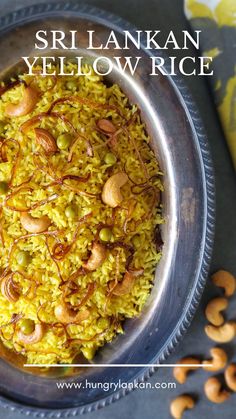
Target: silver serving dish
[[179, 142]]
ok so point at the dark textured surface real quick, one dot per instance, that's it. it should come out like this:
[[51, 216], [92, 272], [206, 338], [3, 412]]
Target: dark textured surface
[[165, 15]]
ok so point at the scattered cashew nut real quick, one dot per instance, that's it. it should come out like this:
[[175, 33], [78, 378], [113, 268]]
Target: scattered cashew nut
[[111, 194], [180, 373], [34, 337], [106, 126], [213, 310], [180, 404], [213, 391], [33, 224], [26, 105], [221, 334], [126, 285], [230, 377], [225, 280], [46, 140], [218, 361], [98, 256], [66, 315]]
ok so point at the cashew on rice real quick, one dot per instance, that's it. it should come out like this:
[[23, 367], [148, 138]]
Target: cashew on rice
[[34, 337], [25, 105], [34, 224], [111, 194]]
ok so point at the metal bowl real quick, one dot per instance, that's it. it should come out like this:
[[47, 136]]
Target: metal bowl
[[179, 142]]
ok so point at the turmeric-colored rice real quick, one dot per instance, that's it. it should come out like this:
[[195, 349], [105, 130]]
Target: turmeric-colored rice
[[45, 279]]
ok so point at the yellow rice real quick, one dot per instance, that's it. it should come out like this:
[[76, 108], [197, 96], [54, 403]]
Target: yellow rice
[[106, 314]]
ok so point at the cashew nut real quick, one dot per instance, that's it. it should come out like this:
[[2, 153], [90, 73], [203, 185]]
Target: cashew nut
[[218, 361], [33, 224], [106, 126], [66, 315], [230, 377], [98, 255], [221, 334], [180, 373], [45, 140], [225, 280], [180, 404], [8, 290], [126, 285], [111, 194], [25, 106], [213, 309], [213, 391], [34, 337]]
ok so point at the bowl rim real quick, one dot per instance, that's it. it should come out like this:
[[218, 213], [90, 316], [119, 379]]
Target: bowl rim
[[31, 13]]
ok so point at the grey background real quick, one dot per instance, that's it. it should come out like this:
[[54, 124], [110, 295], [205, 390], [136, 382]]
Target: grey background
[[168, 15]]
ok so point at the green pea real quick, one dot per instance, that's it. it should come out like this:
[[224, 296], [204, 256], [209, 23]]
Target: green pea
[[70, 211], [105, 234], [23, 258], [71, 85], [136, 241], [27, 326], [110, 159], [64, 141], [2, 127], [3, 188]]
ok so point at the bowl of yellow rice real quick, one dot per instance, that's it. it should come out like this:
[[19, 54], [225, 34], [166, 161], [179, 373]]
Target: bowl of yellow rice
[[106, 218]]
